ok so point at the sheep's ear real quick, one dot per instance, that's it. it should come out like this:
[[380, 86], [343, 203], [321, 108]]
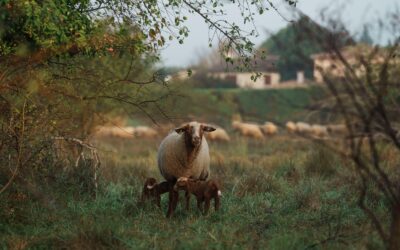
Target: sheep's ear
[[208, 128], [181, 129]]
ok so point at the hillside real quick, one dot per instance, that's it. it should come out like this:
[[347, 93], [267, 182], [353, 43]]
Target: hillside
[[278, 105]]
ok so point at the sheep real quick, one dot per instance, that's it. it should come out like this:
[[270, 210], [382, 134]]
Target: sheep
[[184, 153], [130, 130], [269, 128], [337, 129], [319, 131], [303, 128], [218, 135], [291, 127], [153, 190], [248, 129], [119, 132], [203, 190], [145, 132]]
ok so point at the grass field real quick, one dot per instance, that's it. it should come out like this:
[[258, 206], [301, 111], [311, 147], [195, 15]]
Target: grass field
[[282, 193]]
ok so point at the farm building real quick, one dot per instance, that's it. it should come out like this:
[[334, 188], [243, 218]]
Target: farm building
[[270, 77], [329, 63], [243, 79]]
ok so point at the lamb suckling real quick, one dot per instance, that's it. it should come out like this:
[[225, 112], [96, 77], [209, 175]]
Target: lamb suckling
[[204, 191]]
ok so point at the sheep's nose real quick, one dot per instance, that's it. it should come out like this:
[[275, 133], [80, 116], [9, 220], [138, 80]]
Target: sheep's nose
[[196, 140]]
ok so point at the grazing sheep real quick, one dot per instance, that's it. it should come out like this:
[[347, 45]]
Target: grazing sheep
[[269, 128], [145, 132], [119, 132], [184, 153], [337, 129], [218, 135], [203, 190], [291, 127], [248, 129], [303, 128], [153, 190], [129, 131], [319, 131]]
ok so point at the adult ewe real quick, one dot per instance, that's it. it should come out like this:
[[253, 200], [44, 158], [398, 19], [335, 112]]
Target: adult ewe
[[319, 131], [218, 135], [303, 128], [337, 129], [248, 129], [184, 153], [145, 132], [269, 128], [291, 127]]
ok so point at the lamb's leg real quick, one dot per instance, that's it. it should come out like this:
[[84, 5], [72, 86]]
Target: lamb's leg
[[199, 204], [187, 196], [207, 206], [217, 202]]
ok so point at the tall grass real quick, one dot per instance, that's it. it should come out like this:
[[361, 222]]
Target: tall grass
[[277, 194]]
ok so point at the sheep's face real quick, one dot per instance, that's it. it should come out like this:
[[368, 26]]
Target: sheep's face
[[194, 132]]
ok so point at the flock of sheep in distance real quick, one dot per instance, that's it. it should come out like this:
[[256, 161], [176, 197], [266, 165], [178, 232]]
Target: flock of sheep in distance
[[245, 129]]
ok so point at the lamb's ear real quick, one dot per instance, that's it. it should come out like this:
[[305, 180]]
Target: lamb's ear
[[208, 128], [181, 129]]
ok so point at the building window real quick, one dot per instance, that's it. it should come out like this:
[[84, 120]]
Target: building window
[[231, 78], [267, 79]]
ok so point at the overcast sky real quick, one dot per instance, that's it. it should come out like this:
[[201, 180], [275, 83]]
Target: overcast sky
[[353, 12]]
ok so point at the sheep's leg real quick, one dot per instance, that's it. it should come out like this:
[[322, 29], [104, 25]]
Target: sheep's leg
[[172, 203], [217, 203], [176, 199], [207, 205], [187, 196], [199, 204]]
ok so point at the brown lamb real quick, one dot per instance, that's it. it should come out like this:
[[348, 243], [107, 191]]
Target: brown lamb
[[203, 190], [153, 190]]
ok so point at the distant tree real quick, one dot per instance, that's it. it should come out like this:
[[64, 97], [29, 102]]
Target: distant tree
[[295, 48], [365, 37]]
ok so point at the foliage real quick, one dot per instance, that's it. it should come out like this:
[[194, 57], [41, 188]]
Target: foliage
[[67, 66], [363, 91]]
